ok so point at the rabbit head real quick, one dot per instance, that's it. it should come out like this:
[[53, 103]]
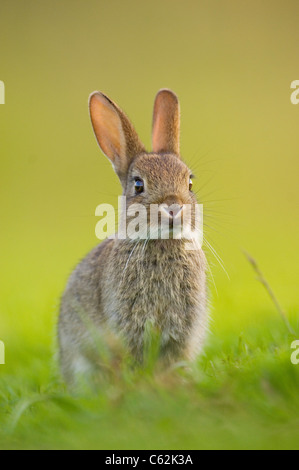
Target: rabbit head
[[159, 181]]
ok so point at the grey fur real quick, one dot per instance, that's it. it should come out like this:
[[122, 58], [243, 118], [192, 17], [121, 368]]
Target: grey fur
[[122, 284]]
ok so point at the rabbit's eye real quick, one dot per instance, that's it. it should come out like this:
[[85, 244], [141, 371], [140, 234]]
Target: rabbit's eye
[[190, 184], [139, 185]]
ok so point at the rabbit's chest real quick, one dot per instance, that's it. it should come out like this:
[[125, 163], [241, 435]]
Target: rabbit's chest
[[161, 287]]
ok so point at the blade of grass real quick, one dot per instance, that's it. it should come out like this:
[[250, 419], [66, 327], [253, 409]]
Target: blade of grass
[[261, 278]]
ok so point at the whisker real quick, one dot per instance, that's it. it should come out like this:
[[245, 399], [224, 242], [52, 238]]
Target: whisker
[[130, 255], [144, 245], [218, 258], [212, 277]]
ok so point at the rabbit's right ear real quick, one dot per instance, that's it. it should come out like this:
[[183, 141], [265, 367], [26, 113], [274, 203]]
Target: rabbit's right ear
[[166, 123], [114, 133]]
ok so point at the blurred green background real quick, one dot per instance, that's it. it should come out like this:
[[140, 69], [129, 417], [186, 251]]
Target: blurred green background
[[231, 64]]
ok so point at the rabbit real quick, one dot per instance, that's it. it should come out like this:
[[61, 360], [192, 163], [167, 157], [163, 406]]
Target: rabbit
[[123, 283]]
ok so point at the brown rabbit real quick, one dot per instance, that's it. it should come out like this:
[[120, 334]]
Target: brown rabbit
[[123, 283]]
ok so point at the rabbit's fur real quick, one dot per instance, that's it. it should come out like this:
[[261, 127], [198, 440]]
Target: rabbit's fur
[[123, 283]]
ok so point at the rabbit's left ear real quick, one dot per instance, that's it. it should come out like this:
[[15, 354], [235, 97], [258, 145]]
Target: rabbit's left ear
[[115, 133], [166, 123]]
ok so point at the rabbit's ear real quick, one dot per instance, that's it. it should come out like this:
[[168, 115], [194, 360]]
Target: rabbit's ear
[[114, 132], [166, 123]]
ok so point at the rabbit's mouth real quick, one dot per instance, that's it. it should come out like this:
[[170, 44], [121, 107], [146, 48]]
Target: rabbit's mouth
[[161, 222], [168, 232]]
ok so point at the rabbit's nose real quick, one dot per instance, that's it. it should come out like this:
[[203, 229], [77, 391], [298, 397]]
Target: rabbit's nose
[[173, 212]]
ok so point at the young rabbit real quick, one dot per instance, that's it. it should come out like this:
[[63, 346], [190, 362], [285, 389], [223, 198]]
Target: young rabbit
[[124, 283]]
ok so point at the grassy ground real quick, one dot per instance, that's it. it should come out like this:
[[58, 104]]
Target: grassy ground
[[242, 393]]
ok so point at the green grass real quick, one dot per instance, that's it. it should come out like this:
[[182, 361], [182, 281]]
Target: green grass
[[242, 393]]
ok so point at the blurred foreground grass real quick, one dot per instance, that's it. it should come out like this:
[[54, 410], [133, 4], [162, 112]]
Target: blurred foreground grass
[[242, 393]]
